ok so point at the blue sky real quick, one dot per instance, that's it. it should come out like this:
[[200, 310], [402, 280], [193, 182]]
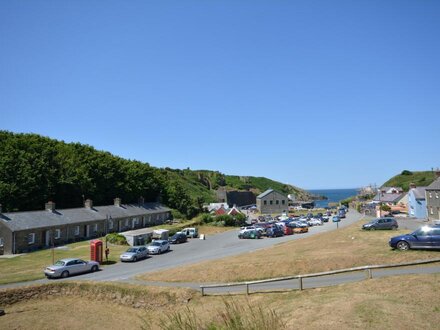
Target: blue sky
[[319, 94]]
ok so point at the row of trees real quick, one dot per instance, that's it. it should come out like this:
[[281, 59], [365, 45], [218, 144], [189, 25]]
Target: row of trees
[[36, 169]]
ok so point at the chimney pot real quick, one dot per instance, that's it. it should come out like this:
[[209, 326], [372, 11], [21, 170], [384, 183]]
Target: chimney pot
[[117, 201], [88, 204], [141, 200], [50, 206]]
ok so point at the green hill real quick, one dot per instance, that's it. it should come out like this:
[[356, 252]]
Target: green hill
[[404, 179], [35, 169]]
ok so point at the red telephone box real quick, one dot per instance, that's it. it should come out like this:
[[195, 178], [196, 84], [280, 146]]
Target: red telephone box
[[96, 250]]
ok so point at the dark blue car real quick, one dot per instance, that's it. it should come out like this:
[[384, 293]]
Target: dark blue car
[[426, 237]]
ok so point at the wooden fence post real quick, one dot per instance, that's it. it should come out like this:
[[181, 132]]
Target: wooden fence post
[[300, 283]]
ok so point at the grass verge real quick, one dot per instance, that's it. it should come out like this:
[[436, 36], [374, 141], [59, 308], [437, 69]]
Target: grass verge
[[408, 302], [344, 248]]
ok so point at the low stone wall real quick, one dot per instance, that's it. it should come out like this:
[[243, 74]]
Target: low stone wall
[[130, 296]]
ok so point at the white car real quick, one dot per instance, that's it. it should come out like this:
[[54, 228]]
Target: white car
[[243, 229], [158, 247], [315, 222]]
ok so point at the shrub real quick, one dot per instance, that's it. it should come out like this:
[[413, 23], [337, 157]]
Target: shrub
[[207, 218], [406, 172], [115, 238]]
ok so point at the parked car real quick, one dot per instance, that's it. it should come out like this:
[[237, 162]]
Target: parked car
[[274, 231], [381, 223], [287, 230], [190, 232], [134, 253], [426, 237], [298, 227], [251, 233], [178, 238], [336, 218], [158, 247], [70, 266]]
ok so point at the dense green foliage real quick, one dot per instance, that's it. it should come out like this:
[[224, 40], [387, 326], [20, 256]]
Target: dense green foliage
[[403, 180], [36, 169], [117, 239]]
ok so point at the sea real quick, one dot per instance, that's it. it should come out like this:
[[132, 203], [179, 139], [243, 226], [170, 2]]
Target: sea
[[333, 195]]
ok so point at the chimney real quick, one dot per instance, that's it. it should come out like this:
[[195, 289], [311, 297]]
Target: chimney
[[50, 206], [88, 204], [412, 185], [141, 201], [117, 201], [0, 208]]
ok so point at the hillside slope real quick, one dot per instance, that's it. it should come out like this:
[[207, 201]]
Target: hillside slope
[[404, 179], [35, 169]]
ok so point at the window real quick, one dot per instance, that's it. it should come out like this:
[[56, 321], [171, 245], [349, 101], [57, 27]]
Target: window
[[77, 231], [270, 202], [283, 202], [95, 227], [110, 224], [265, 202], [277, 202], [431, 210], [57, 234], [430, 194], [31, 238], [436, 194], [1, 241], [126, 222]]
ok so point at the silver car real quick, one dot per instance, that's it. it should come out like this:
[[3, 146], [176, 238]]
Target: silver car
[[71, 266], [158, 246], [134, 253]]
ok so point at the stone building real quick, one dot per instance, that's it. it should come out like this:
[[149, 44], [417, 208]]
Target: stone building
[[28, 231], [271, 202]]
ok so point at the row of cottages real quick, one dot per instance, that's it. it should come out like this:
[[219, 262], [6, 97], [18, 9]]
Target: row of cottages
[[28, 231], [394, 197], [222, 209], [272, 202]]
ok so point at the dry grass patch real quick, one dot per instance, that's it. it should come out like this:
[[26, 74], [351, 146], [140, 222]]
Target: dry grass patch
[[343, 248], [404, 302]]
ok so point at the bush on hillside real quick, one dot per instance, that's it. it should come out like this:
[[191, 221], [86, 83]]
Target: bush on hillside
[[406, 172]]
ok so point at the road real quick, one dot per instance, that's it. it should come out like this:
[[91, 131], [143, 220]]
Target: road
[[196, 250]]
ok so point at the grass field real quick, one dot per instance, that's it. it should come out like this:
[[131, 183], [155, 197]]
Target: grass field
[[403, 302], [343, 248], [30, 266]]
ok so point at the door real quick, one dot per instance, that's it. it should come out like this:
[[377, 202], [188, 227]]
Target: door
[[435, 238], [47, 238], [87, 229], [422, 238]]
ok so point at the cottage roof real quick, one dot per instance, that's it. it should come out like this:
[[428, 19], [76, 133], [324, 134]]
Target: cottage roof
[[16, 221], [390, 190], [388, 198], [264, 194], [419, 192], [434, 185]]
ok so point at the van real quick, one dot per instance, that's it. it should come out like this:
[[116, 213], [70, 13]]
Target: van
[[190, 232]]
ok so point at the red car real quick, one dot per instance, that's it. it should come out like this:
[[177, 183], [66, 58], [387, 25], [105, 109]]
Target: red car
[[288, 230]]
